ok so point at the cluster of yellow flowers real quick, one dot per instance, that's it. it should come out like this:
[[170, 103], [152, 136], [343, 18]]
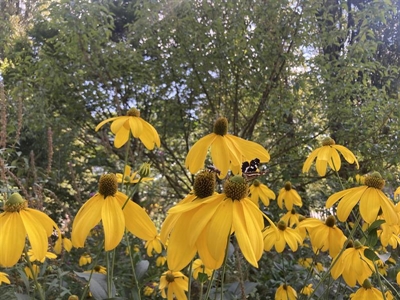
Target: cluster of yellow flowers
[[197, 231]]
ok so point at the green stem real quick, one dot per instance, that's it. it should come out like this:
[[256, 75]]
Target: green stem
[[34, 277], [190, 279], [132, 265], [224, 267], [209, 285], [380, 281], [86, 289]]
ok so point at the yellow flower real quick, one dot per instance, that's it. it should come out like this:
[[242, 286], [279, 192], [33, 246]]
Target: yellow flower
[[205, 225], [382, 267], [129, 177], [48, 255], [28, 271], [285, 292], [328, 154], [18, 221], [398, 278], [153, 244], [176, 283], [4, 278], [305, 262], [371, 199], [161, 260], [63, 241], [97, 269], [292, 218], [116, 212], [150, 289], [85, 259], [132, 123], [261, 191], [279, 238], [389, 295], [367, 292], [307, 290], [199, 267], [353, 265], [324, 236], [289, 197], [228, 152]]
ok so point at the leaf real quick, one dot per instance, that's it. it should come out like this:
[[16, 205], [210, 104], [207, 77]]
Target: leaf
[[375, 225], [141, 268], [98, 285], [371, 255]]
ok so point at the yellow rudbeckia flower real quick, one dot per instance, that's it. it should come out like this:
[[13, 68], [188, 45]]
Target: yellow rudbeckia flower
[[288, 196], [85, 259], [130, 177], [206, 224], [116, 213], [292, 218], [176, 283], [371, 199], [199, 267], [132, 123], [63, 241], [353, 265], [279, 238], [4, 278], [307, 290], [324, 236], [228, 152], [328, 154], [285, 292], [367, 292], [262, 192], [18, 221]]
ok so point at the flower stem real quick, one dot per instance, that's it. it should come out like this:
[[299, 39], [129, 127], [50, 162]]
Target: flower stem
[[34, 277], [209, 285], [190, 279], [132, 265], [86, 289]]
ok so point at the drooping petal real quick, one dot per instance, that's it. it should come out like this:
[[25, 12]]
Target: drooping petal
[[137, 221], [47, 223], [36, 233], [221, 155], [334, 162], [247, 233], [220, 229], [88, 216], [119, 123], [113, 221], [12, 238], [179, 251], [307, 164], [348, 202], [121, 137], [369, 205], [104, 122], [347, 154], [251, 150], [136, 126], [197, 154], [204, 253], [149, 136]]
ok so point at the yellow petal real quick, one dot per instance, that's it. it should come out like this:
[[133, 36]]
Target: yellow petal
[[251, 150], [137, 221], [120, 123], [221, 155], [88, 216], [220, 225], [104, 122], [347, 154], [334, 162], [121, 137], [36, 233], [149, 136], [12, 238], [204, 253], [309, 160], [179, 251], [113, 221], [136, 126], [197, 154], [348, 202]]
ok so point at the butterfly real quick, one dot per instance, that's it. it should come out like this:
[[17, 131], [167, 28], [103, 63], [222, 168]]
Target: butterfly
[[250, 169]]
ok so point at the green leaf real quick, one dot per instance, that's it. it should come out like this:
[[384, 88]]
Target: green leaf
[[371, 255]]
